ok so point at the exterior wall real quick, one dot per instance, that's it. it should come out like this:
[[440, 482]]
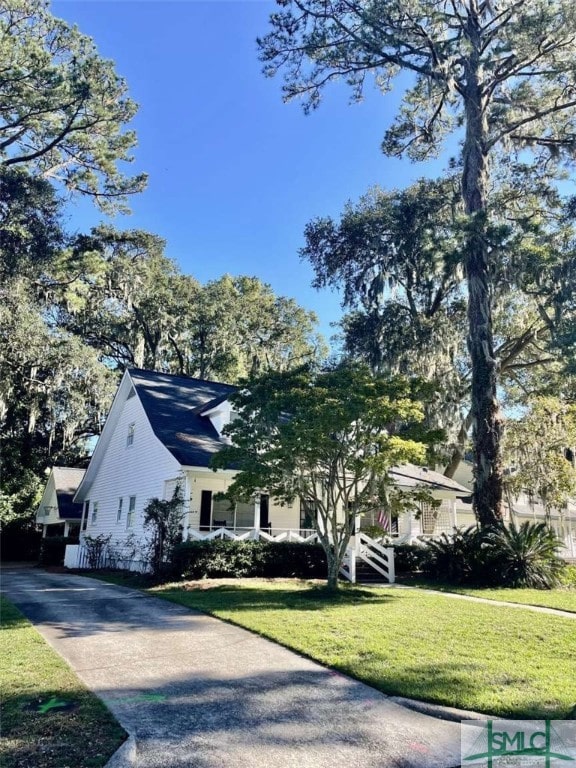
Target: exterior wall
[[283, 516], [464, 474], [139, 470], [48, 504]]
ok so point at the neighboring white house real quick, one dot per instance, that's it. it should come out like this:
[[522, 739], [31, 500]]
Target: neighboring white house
[[163, 430], [521, 509], [57, 512]]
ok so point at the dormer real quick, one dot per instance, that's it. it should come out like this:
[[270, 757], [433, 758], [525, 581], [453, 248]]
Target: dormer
[[220, 414]]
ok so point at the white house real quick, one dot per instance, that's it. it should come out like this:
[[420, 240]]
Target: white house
[[57, 512], [162, 430], [522, 509]]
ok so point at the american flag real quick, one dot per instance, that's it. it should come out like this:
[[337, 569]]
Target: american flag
[[384, 520]]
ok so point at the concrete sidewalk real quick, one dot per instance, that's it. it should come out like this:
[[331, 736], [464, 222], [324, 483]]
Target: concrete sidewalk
[[487, 600], [195, 692]]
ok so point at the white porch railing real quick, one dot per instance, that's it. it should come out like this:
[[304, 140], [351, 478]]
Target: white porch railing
[[303, 535], [380, 558], [348, 567]]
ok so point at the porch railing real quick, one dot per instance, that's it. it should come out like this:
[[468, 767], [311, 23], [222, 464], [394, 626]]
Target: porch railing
[[303, 535]]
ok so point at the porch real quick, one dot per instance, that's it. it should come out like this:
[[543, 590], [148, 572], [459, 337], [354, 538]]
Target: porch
[[365, 559], [209, 511], [428, 523]]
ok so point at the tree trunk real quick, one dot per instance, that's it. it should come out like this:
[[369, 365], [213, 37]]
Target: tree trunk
[[487, 421], [333, 570], [460, 449]]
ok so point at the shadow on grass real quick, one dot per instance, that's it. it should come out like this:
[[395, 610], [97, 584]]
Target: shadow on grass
[[38, 734], [10, 617], [241, 597]]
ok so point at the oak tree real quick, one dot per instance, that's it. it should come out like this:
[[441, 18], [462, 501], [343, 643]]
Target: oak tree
[[327, 439], [63, 108], [499, 75]]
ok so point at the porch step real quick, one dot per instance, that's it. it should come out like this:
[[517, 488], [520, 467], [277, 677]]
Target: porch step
[[367, 575]]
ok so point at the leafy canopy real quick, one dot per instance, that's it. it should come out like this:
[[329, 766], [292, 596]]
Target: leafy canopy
[[535, 445], [497, 74], [328, 439], [63, 108]]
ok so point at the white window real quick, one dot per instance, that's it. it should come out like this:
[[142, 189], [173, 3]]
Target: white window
[[86, 513], [119, 511], [131, 512], [130, 435], [94, 512]]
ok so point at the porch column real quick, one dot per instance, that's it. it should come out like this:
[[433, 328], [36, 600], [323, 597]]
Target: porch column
[[257, 514], [66, 528], [415, 525], [454, 514]]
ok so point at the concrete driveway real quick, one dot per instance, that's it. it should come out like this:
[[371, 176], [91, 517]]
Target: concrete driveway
[[195, 692]]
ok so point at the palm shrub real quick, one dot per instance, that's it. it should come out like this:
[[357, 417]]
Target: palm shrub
[[458, 558], [525, 555]]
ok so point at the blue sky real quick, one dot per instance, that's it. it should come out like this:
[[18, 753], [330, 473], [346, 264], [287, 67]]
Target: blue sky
[[235, 174]]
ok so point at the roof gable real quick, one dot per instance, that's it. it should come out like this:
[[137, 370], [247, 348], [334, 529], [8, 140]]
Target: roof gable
[[66, 481], [173, 406]]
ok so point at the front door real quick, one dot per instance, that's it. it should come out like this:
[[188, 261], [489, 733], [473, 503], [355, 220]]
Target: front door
[[264, 510], [205, 510]]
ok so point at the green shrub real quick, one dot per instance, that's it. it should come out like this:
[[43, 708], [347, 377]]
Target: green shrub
[[568, 576], [19, 541], [504, 556], [458, 558], [409, 558], [53, 548], [525, 556], [375, 532], [236, 559]]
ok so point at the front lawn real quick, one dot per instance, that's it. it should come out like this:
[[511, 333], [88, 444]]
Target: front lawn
[[515, 663], [38, 731]]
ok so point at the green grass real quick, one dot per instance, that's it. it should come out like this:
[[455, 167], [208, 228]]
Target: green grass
[[491, 659], [31, 672], [563, 599]]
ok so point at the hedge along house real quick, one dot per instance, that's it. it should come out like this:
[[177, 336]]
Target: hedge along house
[[57, 512]]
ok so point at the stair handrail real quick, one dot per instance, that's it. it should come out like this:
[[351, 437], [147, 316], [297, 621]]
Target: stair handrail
[[378, 557]]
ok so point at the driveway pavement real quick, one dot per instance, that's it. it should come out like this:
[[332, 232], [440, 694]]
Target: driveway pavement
[[195, 692]]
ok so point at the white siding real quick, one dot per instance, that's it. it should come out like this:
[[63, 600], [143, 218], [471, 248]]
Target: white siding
[[138, 470], [284, 516], [48, 504]]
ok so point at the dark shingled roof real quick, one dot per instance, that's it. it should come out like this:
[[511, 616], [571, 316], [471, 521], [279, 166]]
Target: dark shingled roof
[[174, 406], [66, 482], [411, 476]]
